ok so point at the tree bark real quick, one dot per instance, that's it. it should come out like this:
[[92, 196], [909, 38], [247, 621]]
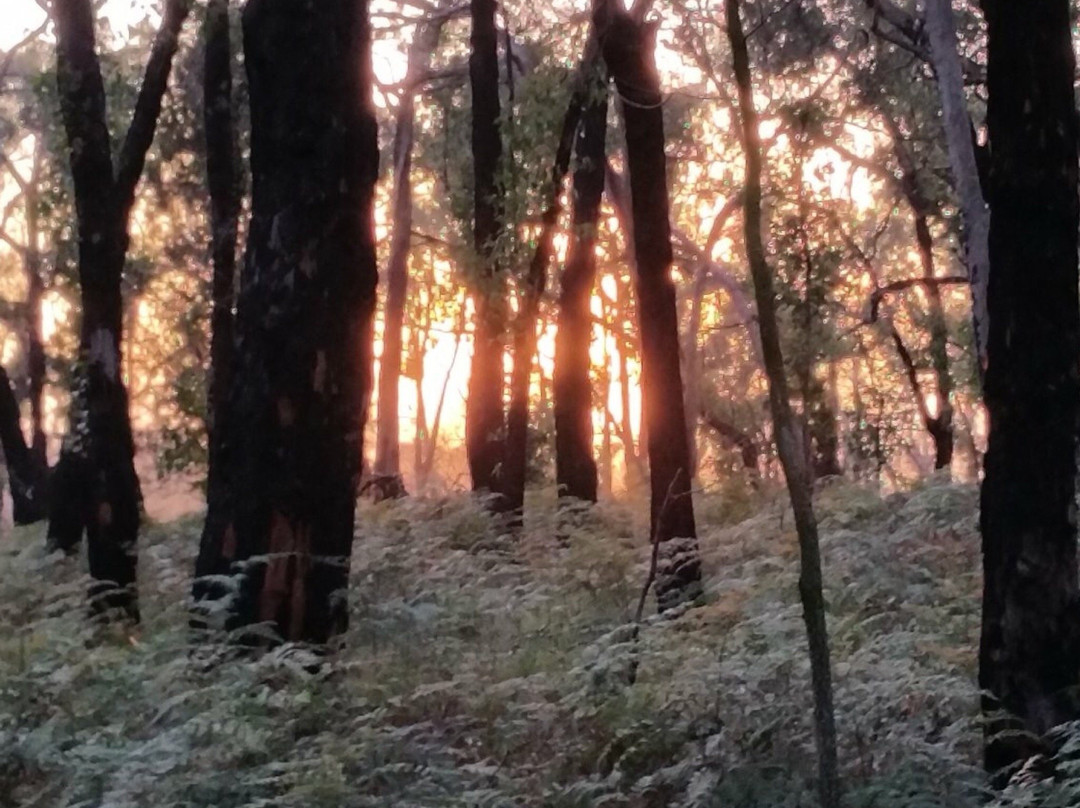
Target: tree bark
[[1029, 655], [785, 429], [224, 181], [96, 487], [941, 35], [485, 417], [575, 466], [387, 465], [27, 496], [629, 52], [302, 374], [525, 336]]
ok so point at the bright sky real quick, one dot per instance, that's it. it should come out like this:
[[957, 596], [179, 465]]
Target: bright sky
[[21, 16]]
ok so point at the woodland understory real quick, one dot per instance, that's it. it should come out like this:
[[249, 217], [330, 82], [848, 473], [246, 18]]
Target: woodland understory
[[481, 670]]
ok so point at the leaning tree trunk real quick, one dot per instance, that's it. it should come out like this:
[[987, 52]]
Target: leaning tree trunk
[[792, 458], [575, 467], [95, 486], [304, 317], [485, 417], [629, 51], [1030, 651], [387, 466], [224, 180]]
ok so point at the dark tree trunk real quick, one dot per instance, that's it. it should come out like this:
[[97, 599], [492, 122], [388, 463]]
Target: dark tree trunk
[[1030, 650], [525, 336], [387, 465], [223, 176], [27, 494], [575, 467], [96, 487], [939, 426], [628, 47], [304, 318], [485, 417], [792, 458]]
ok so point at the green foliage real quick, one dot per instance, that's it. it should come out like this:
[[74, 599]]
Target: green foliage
[[484, 671]]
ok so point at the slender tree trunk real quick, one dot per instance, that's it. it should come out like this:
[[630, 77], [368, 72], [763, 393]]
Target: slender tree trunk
[[1030, 651], [485, 419], [304, 317], [525, 336], [96, 487], [224, 183], [941, 33], [387, 466], [27, 498], [629, 51], [940, 426], [785, 429], [575, 468]]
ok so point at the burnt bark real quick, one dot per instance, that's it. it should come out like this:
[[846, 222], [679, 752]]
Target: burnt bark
[[387, 465], [575, 466], [304, 318], [96, 488], [792, 458], [485, 416], [224, 179], [28, 496], [629, 52], [1029, 654], [525, 336]]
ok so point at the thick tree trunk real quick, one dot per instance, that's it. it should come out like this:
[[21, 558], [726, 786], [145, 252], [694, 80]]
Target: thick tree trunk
[[27, 492], [96, 488], [575, 467], [485, 417], [387, 465], [304, 318], [941, 34], [1030, 651], [785, 429], [224, 182], [628, 47]]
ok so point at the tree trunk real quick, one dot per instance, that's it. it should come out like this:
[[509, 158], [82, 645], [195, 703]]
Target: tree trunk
[[387, 466], [302, 373], [785, 429], [525, 336], [940, 426], [27, 494], [575, 467], [629, 51], [96, 488], [485, 419], [941, 34], [1030, 650], [224, 180]]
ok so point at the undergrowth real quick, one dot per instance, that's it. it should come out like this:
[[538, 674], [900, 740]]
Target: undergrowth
[[480, 671]]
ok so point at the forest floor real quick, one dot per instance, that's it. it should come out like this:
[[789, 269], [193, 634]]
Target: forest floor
[[481, 671]]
